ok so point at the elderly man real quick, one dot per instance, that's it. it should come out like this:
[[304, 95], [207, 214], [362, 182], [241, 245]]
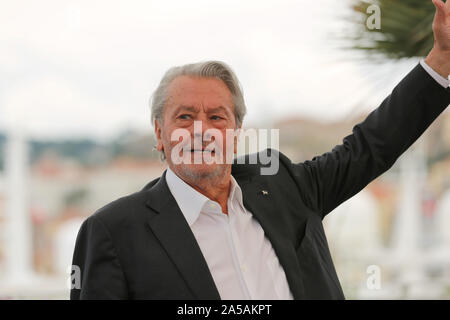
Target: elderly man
[[221, 230]]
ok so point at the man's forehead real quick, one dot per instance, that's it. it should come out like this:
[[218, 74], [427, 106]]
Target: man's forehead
[[196, 92], [194, 108], [196, 87]]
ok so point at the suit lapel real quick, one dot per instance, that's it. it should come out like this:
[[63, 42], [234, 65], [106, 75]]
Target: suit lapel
[[260, 204], [175, 235]]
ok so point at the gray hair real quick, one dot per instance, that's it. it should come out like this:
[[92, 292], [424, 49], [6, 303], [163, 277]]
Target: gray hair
[[207, 69]]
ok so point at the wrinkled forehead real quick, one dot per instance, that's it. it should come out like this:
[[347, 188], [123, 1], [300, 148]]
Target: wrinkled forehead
[[196, 92]]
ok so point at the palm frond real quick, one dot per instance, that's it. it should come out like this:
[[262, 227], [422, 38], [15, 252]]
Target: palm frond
[[405, 32]]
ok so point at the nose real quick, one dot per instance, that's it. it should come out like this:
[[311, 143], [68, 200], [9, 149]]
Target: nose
[[201, 127]]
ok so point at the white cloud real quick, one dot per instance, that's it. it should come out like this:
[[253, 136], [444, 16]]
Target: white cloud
[[50, 105], [109, 55]]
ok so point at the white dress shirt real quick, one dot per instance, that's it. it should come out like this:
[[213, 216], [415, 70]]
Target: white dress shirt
[[240, 258], [436, 76]]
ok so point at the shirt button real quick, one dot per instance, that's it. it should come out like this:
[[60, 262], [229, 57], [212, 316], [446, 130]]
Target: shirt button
[[243, 268]]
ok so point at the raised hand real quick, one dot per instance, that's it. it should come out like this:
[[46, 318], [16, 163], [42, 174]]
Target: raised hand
[[439, 56]]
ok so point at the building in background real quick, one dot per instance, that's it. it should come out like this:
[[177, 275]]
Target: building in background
[[67, 181]]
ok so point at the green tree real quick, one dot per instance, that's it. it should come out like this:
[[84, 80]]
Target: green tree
[[405, 31]]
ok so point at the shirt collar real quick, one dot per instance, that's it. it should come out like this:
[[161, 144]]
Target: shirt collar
[[190, 201]]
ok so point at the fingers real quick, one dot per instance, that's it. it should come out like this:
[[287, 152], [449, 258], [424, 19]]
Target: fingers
[[440, 8]]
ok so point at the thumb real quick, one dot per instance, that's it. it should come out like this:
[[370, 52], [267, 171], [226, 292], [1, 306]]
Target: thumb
[[440, 8], [439, 17]]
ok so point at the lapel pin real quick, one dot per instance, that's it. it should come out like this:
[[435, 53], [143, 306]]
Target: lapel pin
[[265, 192]]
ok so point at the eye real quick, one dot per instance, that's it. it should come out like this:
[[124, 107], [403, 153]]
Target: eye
[[216, 118], [184, 117]]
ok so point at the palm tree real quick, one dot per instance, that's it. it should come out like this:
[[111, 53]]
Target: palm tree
[[406, 32], [405, 28]]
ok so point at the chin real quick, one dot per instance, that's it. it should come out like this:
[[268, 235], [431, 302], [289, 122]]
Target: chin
[[201, 171]]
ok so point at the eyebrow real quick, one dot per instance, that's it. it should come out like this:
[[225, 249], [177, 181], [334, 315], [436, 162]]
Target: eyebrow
[[219, 108], [186, 108], [195, 110]]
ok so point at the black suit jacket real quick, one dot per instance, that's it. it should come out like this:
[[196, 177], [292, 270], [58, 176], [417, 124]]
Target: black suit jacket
[[141, 247]]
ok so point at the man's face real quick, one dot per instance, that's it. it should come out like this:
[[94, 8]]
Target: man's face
[[194, 102]]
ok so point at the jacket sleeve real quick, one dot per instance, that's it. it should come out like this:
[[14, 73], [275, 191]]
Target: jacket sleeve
[[96, 259], [374, 145]]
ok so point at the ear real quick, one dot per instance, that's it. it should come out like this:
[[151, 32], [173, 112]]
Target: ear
[[159, 144]]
